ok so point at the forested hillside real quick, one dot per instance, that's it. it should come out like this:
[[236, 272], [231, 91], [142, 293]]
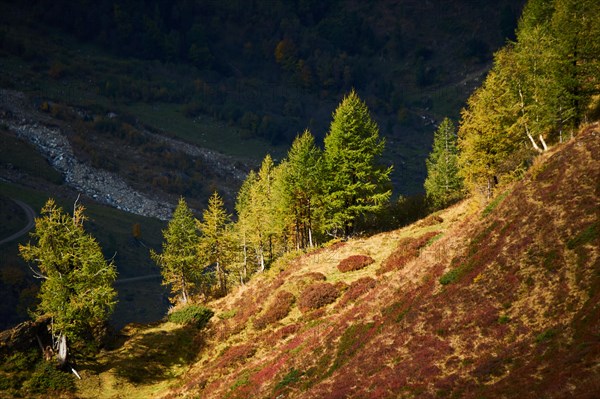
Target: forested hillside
[[306, 277], [262, 69]]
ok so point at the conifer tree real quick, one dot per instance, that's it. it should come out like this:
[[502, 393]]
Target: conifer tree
[[443, 183], [77, 282], [216, 243], [486, 139], [256, 213], [355, 183], [243, 225], [299, 189], [179, 262]]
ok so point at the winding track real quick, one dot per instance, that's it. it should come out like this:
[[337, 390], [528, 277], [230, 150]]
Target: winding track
[[30, 214]]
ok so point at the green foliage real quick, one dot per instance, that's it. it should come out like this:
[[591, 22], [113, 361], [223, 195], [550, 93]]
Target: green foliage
[[545, 336], [216, 242], [539, 89], [196, 315], [77, 282], [585, 236], [450, 276], [227, 314], [290, 378], [351, 341], [493, 204], [46, 378], [355, 184], [299, 191], [443, 184], [179, 259]]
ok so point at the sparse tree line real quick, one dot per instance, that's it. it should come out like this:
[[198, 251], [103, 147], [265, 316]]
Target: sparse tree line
[[311, 196], [540, 89]]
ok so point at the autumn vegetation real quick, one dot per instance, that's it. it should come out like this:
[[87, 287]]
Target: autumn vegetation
[[493, 295]]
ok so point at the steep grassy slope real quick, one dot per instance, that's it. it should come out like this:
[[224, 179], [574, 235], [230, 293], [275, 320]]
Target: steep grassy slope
[[503, 302]]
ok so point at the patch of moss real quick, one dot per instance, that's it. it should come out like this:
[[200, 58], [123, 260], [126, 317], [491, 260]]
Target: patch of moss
[[192, 315], [585, 236], [492, 205]]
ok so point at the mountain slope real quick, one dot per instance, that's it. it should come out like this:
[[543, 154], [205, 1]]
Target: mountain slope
[[503, 302], [518, 315]]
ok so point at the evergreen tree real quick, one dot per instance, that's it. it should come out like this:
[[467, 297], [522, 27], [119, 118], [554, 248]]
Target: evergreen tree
[[179, 262], [355, 184], [443, 183], [76, 291], [300, 190], [216, 243]]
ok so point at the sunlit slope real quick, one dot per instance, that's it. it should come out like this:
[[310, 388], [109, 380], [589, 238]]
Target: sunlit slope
[[470, 303]]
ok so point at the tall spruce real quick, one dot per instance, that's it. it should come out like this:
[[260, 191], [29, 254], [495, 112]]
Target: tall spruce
[[355, 184], [179, 262], [443, 184], [77, 282]]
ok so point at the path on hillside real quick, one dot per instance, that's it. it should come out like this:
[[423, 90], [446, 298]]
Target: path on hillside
[[30, 214]]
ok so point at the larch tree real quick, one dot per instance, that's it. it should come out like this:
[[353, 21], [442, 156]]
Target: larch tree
[[299, 188], [443, 184], [216, 243], [256, 214], [179, 263], [485, 137], [355, 184], [243, 226], [77, 281]]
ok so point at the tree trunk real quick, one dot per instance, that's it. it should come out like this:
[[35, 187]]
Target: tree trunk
[[62, 350]]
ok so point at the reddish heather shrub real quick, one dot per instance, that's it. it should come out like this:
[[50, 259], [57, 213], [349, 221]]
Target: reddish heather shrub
[[314, 276], [317, 295], [332, 247], [236, 354], [274, 338], [341, 287], [407, 250], [355, 262], [357, 288], [278, 309]]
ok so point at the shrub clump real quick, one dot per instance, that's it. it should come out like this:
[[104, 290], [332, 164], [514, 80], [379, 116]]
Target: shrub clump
[[408, 249], [316, 296], [278, 309], [196, 315], [47, 378], [357, 289], [236, 354], [355, 262]]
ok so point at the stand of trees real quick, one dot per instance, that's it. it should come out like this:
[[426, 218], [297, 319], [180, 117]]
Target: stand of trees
[[540, 89], [310, 196]]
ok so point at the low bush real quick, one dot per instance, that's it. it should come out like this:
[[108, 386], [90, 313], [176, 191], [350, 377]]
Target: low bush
[[46, 378], [316, 296], [236, 354], [408, 249], [196, 315], [357, 289], [355, 262], [278, 309]]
